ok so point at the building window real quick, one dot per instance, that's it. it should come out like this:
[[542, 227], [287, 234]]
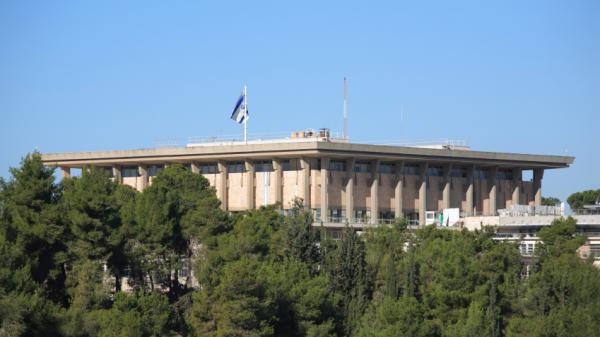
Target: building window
[[387, 214], [287, 165], [130, 171], [235, 167], [387, 167], [336, 214], [154, 169], [337, 165], [595, 249], [108, 171], [263, 166], [360, 214], [361, 166], [435, 171], [458, 172], [504, 175], [208, 168], [481, 173], [411, 169]]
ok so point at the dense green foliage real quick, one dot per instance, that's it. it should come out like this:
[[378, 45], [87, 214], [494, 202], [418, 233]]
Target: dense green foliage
[[550, 201], [579, 199], [87, 257]]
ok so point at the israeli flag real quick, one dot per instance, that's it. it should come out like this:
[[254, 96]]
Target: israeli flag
[[240, 112]]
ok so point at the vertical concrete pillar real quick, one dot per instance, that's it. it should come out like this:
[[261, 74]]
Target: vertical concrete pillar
[[117, 174], [350, 190], [469, 197], [66, 172], [538, 175], [399, 190], [324, 189], [446, 189], [493, 181], [143, 169], [374, 191], [422, 192], [277, 180], [222, 184], [516, 181], [305, 182], [249, 185], [195, 168]]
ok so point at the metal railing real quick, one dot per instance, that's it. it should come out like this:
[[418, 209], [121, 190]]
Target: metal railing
[[355, 221], [254, 137]]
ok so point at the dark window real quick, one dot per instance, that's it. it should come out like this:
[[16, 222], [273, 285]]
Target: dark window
[[504, 175], [130, 171], [108, 171], [235, 167], [387, 167], [337, 165], [458, 172], [289, 165], [411, 170], [435, 171], [361, 166], [208, 168], [481, 173], [154, 169], [263, 166]]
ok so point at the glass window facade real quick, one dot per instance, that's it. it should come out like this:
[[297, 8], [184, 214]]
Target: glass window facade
[[361, 166], [235, 167], [435, 171], [130, 171], [337, 165], [504, 175], [208, 168], [154, 169], [411, 169], [458, 172], [387, 167], [263, 166]]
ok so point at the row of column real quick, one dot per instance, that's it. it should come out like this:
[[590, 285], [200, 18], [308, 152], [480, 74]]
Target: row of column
[[349, 187]]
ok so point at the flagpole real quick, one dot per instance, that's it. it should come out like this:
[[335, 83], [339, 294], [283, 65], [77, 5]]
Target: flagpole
[[245, 112]]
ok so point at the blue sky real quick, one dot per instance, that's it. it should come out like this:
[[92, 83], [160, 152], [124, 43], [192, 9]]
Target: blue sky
[[514, 76]]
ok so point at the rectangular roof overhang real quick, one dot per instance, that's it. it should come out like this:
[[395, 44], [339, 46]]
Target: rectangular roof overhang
[[305, 149]]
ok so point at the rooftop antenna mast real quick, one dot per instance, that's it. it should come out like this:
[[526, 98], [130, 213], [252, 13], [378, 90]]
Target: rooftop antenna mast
[[345, 108]]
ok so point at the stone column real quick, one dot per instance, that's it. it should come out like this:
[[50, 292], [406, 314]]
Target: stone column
[[324, 189], [144, 176], [249, 184], [446, 190], [374, 191], [516, 180], [399, 190], [117, 174], [305, 182], [422, 193], [277, 171], [493, 181], [195, 168], [222, 184], [66, 172], [350, 190], [538, 175], [470, 188]]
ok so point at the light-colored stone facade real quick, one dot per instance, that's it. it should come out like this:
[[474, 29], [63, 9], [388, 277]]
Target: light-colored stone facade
[[340, 181]]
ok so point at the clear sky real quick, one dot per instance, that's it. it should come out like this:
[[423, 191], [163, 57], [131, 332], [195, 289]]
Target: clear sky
[[515, 76]]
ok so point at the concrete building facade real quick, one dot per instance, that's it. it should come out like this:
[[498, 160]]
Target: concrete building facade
[[341, 181]]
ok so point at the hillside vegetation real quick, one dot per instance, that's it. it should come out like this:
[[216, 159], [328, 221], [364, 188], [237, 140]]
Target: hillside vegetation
[[64, 248]]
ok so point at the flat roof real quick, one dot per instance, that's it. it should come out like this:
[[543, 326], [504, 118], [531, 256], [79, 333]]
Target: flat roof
[[317, 148]]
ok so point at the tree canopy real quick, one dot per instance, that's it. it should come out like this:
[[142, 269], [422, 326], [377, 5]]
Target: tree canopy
[[88, 257]]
